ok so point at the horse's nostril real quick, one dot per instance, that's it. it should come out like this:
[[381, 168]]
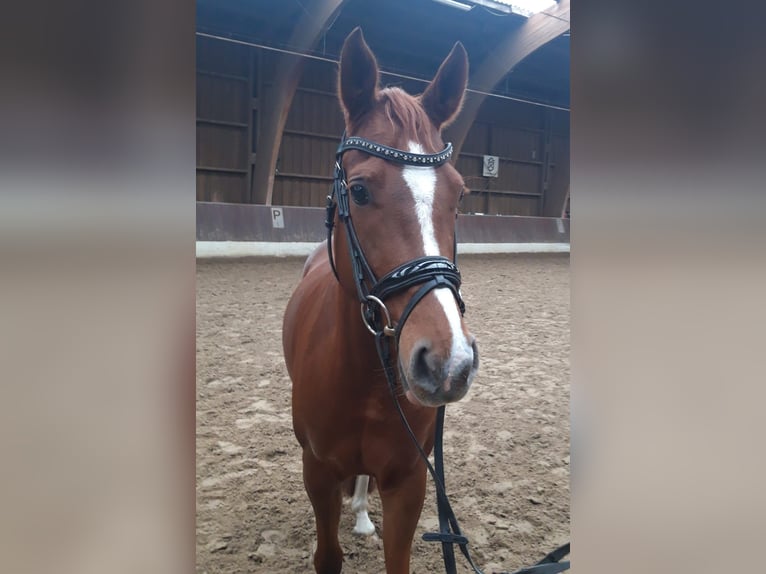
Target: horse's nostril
[[420, 366], [460, 377], [427, 368], [436, 374]]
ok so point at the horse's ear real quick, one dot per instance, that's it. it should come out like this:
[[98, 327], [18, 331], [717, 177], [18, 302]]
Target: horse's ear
[[444, 95], [358, 76]]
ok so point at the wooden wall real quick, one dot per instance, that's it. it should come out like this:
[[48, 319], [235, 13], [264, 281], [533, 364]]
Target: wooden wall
[[311, 136], [226, 113], [532, 142]]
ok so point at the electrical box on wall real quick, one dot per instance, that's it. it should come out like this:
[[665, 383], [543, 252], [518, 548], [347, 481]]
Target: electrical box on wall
[[491, 166]]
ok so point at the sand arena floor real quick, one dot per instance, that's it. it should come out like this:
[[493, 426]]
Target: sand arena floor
[[506, 443]]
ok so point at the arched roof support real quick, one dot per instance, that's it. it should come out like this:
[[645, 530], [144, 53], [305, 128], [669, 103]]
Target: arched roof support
[[274, 104], [537, 31]]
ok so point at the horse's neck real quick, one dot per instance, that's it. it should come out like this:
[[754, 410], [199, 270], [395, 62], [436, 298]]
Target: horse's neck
[[354, 341], [348, 318], [362, 376]]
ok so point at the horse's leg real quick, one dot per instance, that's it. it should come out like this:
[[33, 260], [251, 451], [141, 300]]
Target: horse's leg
[[363, 526], [402, 505], [324, 491]]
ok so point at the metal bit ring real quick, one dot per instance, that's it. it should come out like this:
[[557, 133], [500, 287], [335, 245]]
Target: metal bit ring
[[388, 328]]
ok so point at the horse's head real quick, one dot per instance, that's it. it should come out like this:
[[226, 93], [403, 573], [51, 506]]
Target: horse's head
[[403, 212]]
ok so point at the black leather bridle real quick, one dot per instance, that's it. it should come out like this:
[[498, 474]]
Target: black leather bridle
[[430, 272]]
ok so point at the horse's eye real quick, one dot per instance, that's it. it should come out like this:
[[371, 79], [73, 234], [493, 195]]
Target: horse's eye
[[359, 194]]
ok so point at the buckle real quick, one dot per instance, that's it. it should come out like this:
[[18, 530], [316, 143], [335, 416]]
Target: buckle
[[445, 537]]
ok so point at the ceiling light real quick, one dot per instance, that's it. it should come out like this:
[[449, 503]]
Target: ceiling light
[[522, 7], [528, 7], [458, 5]]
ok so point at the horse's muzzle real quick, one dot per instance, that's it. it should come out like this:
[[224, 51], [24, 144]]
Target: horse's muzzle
[[433, 379]]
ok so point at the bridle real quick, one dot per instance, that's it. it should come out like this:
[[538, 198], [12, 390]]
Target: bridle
[[430, 272]]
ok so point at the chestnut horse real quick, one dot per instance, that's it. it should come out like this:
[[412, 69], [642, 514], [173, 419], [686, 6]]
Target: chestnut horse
[[395, 183]]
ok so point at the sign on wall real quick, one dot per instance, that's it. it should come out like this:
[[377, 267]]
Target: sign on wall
[[491, 166], [277, 218]]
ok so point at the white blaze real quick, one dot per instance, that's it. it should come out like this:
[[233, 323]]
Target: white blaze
[[422, 184]]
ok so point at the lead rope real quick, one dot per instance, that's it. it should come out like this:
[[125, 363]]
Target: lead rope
[[449, 530]]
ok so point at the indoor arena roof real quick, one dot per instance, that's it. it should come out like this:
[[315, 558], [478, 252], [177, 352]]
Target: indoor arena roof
[[524, 8], [408, 36]]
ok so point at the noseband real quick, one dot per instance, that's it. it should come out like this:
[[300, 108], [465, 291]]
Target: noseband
[[430, 272]]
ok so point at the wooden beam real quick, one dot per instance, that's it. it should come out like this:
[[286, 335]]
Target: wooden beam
[[503, 192], [251, 57], [501, 158], [215, 169], [222, 76], [536, 32], [305, 176], [223, 123], [278, 96], [545, 170]]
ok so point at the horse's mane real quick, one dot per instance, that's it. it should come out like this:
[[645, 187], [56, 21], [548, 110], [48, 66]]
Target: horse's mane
[[405, 112]]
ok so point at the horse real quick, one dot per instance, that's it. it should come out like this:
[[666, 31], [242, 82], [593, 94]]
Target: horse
[[392, 215]]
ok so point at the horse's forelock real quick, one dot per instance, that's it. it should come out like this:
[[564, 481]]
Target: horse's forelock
[[405, 112]]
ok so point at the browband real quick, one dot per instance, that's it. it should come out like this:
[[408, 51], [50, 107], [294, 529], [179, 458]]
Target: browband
[[395, 155]]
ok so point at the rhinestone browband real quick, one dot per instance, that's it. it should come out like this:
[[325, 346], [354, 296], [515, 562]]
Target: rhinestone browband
[[397, 155]]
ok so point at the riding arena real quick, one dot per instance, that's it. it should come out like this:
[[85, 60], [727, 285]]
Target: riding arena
[[382, 288]]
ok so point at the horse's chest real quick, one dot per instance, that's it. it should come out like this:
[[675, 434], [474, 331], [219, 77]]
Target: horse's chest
[[344, 434], [376, 410], [343, 420]]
